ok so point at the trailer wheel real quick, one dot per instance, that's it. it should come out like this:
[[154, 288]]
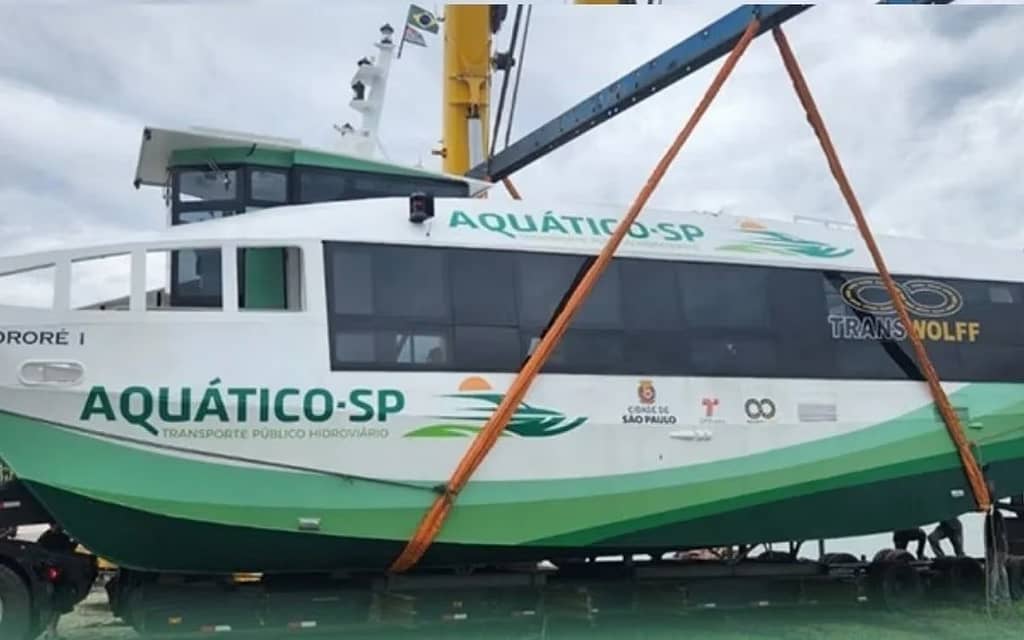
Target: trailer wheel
[[960, 578], [896, 585], [15, 606], [839, 558]]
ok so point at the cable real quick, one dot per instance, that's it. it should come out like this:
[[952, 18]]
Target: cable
[[504, 84], [519, 74]]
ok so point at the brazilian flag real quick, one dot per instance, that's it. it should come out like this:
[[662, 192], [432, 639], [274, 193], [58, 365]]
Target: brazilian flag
[[422, 19]]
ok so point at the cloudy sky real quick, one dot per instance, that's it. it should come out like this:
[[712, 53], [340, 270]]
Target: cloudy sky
[[926, 105]]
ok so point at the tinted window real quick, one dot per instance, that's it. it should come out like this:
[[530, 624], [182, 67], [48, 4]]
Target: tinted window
[[484, 287], [996, 308], [649, 294], [188, 217], [656, 352], [355, 346], [487, 348], [1003, 363], [421, 346], [874, 359], [582, 351], [724, 296], [197, 186], [735, 356], [323, 185], [469, 310], [351, 277], [268, 186], [543, 281], [410, 282], [197, 278], [603, 307]]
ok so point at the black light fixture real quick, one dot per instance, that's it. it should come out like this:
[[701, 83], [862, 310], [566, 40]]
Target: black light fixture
[[421, 207], [359, 90]]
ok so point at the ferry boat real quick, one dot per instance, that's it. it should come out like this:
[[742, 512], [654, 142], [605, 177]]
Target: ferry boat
[[283, 390]]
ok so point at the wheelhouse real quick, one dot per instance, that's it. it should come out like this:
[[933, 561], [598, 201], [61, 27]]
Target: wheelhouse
[[211, 175]]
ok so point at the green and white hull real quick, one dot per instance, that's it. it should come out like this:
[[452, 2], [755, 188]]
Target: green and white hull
[[212, 441], [156, 505]]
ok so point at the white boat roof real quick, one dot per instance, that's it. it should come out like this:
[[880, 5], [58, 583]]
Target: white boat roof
[[565, 228], [159, 146]]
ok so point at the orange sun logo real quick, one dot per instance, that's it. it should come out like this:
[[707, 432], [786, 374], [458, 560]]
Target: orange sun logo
[[474, 383]]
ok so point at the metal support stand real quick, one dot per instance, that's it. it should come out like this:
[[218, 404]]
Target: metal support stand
[[997, 583]]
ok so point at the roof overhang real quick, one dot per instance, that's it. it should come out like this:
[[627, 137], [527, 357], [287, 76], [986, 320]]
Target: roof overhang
[[160, 146]]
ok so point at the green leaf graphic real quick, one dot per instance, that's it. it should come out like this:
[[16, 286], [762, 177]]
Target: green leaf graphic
[[785, 244], [528, 421]]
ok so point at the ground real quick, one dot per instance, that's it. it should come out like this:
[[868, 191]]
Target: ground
[[92, 621]]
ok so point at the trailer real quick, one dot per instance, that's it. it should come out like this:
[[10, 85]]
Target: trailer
[[527, 598], [39, 581]]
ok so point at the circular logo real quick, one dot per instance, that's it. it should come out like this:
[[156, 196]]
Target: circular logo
[[759, 408], [926, 298], [645, 392]]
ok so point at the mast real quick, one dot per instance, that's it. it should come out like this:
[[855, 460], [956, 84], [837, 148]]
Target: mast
[[369, 86], [467, 86]]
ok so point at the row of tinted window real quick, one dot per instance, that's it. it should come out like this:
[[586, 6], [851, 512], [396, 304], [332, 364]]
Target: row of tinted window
[[224, 191], [396, 306], [323, 185], [517, 289]]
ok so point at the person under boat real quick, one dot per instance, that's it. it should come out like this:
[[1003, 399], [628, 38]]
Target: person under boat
[[951, 529], [902, 538]]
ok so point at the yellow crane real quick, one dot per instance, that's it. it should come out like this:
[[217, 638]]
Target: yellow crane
[[468, 32], [467, 86]]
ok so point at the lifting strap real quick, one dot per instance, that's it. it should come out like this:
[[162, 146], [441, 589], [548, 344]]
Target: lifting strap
[[975, 476], [511, 188], [433, 520]]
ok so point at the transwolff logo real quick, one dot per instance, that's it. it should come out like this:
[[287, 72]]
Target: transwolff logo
[[931, 304], [528, 421], [763, 240]]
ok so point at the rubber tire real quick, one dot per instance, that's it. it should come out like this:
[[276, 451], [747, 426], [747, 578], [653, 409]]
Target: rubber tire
[[895, 586], [17, 606], [840, 557], [967, 579], [774, 556]]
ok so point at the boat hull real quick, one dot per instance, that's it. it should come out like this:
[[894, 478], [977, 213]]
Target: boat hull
[[150, 541], [167, 511]]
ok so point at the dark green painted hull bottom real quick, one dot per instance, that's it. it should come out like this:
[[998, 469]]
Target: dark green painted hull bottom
[[146, 541]]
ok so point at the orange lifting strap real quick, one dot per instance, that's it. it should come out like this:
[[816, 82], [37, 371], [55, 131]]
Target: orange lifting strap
[[432, 522], [434, 519], [511, 188], [975, 476]]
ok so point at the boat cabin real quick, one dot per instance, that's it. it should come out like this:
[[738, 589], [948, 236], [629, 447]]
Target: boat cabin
[[209, 174]]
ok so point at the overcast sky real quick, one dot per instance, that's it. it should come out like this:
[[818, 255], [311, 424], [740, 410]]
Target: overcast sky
[[926, 106]]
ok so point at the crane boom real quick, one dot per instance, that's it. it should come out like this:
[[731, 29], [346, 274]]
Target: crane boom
[[683, 59]]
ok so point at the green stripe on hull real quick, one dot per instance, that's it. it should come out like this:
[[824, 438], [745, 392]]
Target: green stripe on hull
[[718, 502], [142, 540]]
